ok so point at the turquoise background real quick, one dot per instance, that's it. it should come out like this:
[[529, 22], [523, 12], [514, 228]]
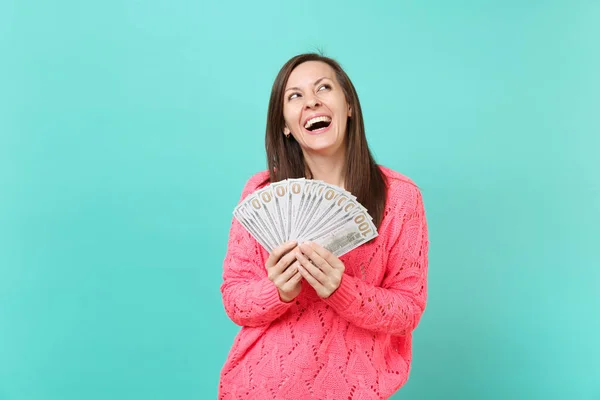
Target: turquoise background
[[128, 128]]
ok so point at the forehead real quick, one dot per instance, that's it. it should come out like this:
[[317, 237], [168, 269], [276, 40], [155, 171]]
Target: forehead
[[308, 72]]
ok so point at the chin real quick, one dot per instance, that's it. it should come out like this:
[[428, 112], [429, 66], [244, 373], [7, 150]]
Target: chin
[[323, 146]]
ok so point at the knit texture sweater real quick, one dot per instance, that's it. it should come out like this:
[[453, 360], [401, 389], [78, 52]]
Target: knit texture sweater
[[357, 343]]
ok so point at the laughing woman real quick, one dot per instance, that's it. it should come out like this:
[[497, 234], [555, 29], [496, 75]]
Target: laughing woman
[[315, 325]]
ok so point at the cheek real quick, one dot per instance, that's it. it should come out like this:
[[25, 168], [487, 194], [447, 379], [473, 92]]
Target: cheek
[[343, 129], [289, 115], [342, 124], [341, 107]]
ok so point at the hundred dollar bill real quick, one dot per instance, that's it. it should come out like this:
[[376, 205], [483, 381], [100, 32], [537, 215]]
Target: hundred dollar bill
[[305, 210], [252, 229], [314, 203], [280, 190], [259, 228], [343, 209], [295, 190], [263, 213], [358, 230], [305, 196], [326, 204], [267, 197]]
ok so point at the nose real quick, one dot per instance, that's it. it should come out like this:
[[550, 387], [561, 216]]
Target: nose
[[312, 101]]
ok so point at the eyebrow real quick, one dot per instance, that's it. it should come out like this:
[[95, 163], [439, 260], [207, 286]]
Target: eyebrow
[[315, 84]]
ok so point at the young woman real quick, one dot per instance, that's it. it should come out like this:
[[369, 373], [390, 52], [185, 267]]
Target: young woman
[[315, 326]]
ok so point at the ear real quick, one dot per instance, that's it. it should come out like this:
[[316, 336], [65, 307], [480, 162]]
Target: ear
[[286, 131], [349, 112]]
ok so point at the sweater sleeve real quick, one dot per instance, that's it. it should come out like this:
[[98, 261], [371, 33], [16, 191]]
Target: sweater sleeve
[[249, 297], [397, 305]]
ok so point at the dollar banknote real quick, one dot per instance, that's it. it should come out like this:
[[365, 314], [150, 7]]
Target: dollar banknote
[[306, 210]]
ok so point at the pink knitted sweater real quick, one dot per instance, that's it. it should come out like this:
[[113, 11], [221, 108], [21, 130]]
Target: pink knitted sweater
[[356, 344]]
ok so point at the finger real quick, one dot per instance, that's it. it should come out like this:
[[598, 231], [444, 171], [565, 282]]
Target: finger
[[296, 278], [291, 284], [316, 259], [326, 255], [287, 274], [312, 269], [284, 262], [309, 278], [278, 252]]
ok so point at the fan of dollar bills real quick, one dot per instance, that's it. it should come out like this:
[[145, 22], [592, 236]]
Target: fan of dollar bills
[[306, 210]]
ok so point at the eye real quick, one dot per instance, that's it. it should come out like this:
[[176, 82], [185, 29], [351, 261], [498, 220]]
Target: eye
[[324, 86], [291, 96]]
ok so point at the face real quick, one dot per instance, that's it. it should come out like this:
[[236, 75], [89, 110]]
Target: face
[[315, 108]]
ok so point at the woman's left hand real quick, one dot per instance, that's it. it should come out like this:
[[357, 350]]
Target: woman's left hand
[[321, 269]]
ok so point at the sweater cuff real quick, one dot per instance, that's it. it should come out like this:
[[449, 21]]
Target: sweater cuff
[[344, 295], [269, 300]]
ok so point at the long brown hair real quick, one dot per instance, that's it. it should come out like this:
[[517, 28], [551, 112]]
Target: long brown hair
[[363, 177]]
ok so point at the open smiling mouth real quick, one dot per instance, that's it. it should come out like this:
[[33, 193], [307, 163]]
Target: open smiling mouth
[[318, 125]]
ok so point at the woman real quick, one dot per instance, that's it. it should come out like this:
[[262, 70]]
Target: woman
[[315, 325]]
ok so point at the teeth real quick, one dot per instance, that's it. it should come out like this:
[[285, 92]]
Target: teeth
[[315, 120]]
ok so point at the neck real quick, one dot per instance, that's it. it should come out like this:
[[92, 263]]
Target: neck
[[327, 168]]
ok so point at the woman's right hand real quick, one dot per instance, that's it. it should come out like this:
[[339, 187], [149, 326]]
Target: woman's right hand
[[283, 271]]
